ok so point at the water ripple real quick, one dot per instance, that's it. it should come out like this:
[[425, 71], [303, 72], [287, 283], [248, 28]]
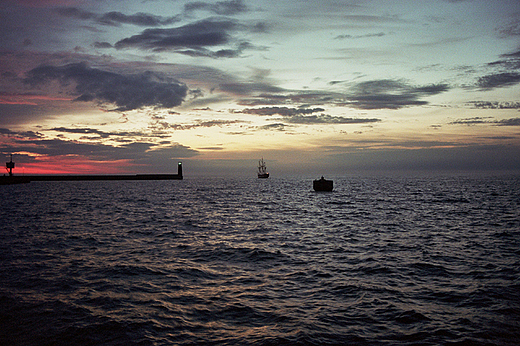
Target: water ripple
[[380, 261]]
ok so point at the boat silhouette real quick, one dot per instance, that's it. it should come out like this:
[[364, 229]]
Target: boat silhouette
[[322, 185], [262, 169]]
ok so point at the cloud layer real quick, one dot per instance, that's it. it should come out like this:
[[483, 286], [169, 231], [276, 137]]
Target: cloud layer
[[193, 39], [115, 18], [391, 94], [127, 92]]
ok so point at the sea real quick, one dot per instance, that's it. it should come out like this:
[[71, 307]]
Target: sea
[[382, 260]]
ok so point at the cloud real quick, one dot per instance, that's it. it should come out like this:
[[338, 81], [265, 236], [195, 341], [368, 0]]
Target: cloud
[[102, 45], [146, 156], [99, 133], [328, 119], [191, 39], [390, 94], [510, 30], [274, 127], [471, 121], [509, 122], [210, 32], [116, 18], [20, 134], [483, 120], [508, 73], [342, 37], [200, 124], [375, 94], [508, 62], [272, 95], [226, 8], [141, 19], [494, 105], [284, 111], [498, 80], [127, 92], [298, 116]]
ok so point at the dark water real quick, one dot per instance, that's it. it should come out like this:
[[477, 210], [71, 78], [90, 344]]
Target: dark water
[[379, 261]]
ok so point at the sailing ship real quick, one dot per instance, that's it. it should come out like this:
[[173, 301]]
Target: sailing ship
[[262, 169]]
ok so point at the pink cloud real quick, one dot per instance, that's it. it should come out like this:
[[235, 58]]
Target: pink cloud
[[72, 165], [24, 99], [45, 3]]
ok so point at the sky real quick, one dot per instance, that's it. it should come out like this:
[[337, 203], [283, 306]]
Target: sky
[[314, 87]]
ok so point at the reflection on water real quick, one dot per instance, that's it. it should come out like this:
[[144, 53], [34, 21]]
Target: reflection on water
[[378, 261]]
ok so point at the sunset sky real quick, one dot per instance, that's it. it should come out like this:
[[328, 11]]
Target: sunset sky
[[313, 87]]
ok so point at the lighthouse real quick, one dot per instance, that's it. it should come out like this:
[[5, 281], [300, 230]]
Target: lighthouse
[[9, 166]]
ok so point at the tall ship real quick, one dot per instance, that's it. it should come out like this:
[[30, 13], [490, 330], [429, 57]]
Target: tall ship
[[262, 169]]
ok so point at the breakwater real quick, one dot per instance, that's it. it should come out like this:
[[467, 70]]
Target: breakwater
[[15, 179]]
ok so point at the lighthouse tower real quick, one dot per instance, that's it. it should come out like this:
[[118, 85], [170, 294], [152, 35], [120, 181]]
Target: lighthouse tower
[[9, 166]]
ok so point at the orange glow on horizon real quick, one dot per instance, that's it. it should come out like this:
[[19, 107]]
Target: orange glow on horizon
[[21, 99], [76, 165]]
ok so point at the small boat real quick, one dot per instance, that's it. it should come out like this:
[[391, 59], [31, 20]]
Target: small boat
[[262, 169], [322, 185]]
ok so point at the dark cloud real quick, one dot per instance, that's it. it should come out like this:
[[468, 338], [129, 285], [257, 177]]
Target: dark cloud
[[284, 111], [510, 30], [146, 155], [390, 94], [342, 37], [20, 134], [376, 94], [508, 62], [99, 133], [141, 19], [298, 115], [199, 124], [102, 45], [507, 72], [127, 92], [509, 122], [498, 80], [328, 119], [226, 8], [371, 19], [471, 121], [82, 131], [514, 55], [116, 18], [274, 127], [222, 53], [494, 105], [192, 39], [267, 94], [485, 120], [210, 32]]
